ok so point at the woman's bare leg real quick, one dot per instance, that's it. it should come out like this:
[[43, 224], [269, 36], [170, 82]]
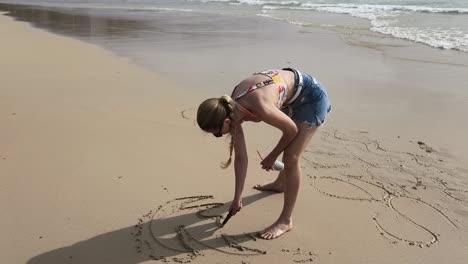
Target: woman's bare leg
[[275, 186], [292, 180]]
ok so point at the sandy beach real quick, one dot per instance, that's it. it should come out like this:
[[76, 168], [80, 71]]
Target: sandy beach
[[101, 160]]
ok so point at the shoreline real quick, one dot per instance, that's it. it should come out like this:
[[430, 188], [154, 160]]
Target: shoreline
[[350, 17], [92, 150]]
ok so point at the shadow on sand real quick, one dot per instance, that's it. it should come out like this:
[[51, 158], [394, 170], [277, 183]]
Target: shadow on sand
[[160, 236]]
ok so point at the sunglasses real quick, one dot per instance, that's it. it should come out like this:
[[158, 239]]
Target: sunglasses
[[219, 134]]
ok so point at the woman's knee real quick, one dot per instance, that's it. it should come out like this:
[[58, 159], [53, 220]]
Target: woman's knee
[[291, 159]]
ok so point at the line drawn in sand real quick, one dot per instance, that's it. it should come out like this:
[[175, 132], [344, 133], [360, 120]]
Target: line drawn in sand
[[348, 180], [186, 113], [434, 237]]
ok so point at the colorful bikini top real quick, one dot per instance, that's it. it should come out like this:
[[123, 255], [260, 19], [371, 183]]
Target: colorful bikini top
[[276, 78]]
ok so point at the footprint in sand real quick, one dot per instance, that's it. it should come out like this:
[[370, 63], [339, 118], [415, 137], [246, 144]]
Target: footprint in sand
[[300, 255], [425, 147]]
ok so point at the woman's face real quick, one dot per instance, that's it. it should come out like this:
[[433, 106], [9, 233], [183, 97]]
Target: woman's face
[[224, 129]]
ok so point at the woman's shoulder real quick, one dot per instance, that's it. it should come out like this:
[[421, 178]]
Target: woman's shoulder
[[248, 84]]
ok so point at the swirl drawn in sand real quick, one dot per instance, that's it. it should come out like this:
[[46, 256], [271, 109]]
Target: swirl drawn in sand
[[385, 176], [169, 233], [180, 239]]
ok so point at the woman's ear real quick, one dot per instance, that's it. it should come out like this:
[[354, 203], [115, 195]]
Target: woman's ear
[[227, 121]]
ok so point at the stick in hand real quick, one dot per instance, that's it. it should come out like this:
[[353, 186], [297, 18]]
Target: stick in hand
[[227, 218]]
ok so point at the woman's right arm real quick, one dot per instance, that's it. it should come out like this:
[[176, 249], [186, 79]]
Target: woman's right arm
[[240, 166]]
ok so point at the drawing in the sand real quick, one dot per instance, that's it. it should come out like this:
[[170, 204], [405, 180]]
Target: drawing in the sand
[[398, 180], [170, 233]]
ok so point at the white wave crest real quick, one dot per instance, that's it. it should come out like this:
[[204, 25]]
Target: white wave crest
[[294, 22], [442, 39], [370, 11], [252, 2]]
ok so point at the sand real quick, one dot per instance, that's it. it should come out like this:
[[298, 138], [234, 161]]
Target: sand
[[100, 166]]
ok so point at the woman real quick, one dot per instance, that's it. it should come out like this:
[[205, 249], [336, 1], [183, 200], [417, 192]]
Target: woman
[[294, 103]]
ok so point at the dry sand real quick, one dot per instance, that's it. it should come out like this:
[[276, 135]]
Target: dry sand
[[98, 166]]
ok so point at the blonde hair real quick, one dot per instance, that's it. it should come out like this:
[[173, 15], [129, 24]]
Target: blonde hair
[[211, 114]]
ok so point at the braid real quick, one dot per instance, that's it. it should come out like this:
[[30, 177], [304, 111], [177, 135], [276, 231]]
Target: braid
[[228, 104], [226, 164]]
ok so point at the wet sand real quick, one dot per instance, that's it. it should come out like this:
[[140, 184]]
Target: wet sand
[[102, 165]]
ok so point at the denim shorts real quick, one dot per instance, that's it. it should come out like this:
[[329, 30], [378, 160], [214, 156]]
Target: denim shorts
[[312, 106]]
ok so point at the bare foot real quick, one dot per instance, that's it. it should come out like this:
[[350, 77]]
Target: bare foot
[[273, 187], [276, 230]]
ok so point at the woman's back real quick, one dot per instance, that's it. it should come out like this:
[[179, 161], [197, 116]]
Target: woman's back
[[273, 86]]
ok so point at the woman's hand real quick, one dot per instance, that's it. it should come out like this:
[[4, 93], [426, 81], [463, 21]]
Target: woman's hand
[[268, 162], [236, 206]]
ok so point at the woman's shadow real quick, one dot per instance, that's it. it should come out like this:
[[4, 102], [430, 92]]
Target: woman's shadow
[[158, 235]]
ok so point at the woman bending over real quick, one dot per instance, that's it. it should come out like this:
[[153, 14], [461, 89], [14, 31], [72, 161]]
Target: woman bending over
[[295, 103]]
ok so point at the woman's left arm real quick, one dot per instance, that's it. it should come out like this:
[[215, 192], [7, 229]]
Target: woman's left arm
[[240, 168], [240, 161]]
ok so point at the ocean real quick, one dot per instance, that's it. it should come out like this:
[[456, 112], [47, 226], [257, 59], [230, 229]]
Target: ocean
[[440, 24]]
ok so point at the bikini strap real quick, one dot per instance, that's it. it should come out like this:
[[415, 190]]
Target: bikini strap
[[243, 109], [268, 73]]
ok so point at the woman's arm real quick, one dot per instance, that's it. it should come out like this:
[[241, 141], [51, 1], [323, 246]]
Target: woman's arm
[[240, 168], [271, 115], [240, 161]]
